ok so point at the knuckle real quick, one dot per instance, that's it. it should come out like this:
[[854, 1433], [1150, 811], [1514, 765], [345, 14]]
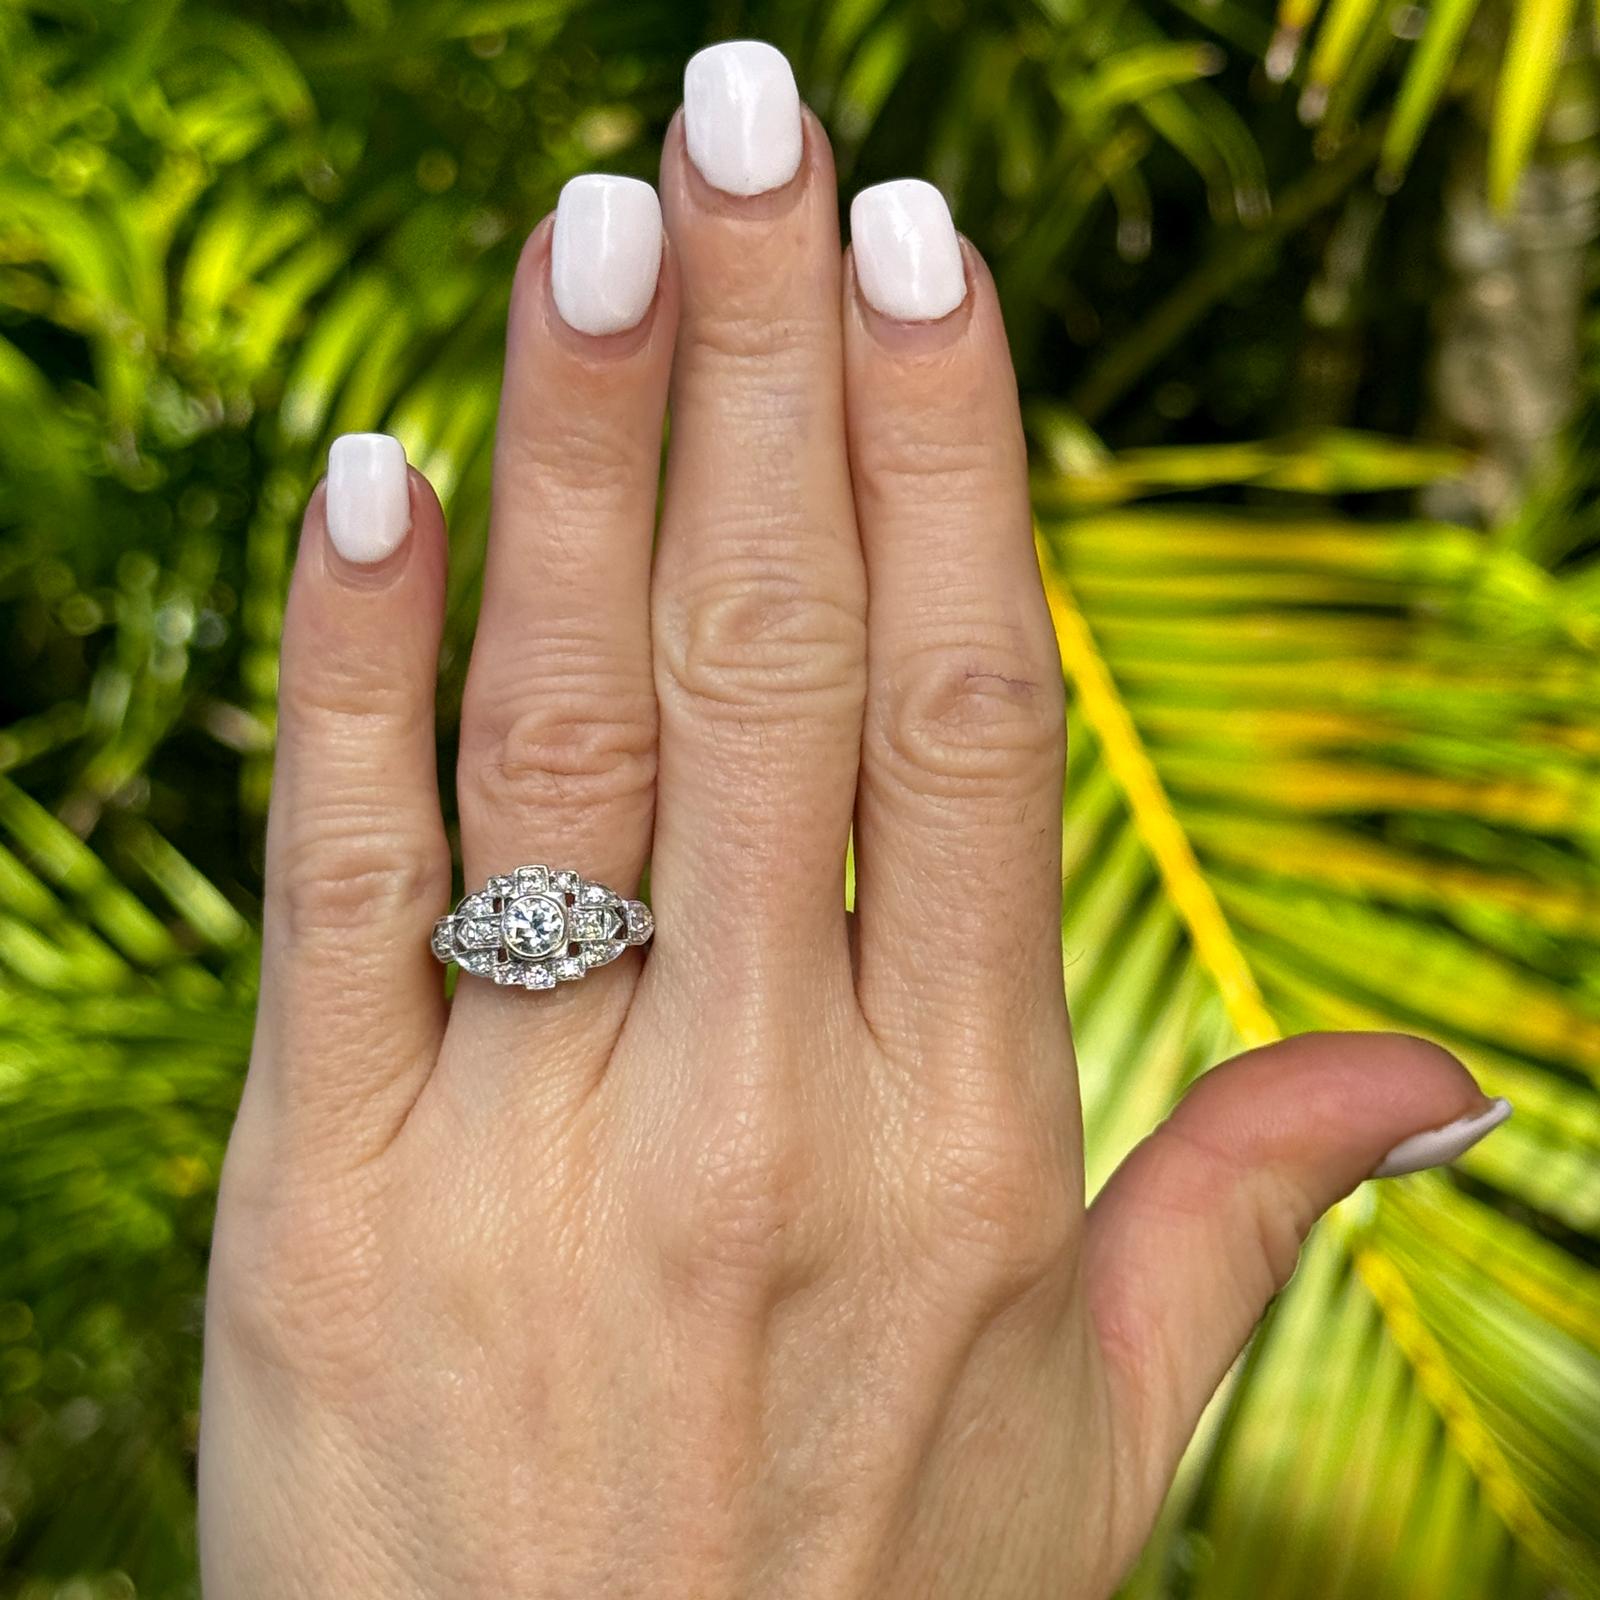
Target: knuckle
[[744, 637], [296, 1278], [1265, 1204], [749, 332], [997, 1191], [953, 719], [341, 699], [573, 473], [566, 746], [728, 1217], [932, 448], [337, 875], [1283, 1218], [345, 854]]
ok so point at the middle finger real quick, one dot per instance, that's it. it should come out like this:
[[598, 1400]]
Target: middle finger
[[760, 597]]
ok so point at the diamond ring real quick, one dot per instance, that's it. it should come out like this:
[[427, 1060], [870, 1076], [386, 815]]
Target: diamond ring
[[539, 926]]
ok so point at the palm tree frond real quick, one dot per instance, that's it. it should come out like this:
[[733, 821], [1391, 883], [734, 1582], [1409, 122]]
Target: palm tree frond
[[1179, 911]]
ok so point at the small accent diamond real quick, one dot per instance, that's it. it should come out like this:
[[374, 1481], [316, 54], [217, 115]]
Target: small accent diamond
[[570, 967], [500, 886], [533, 880], [477, 933], [444, 944], [597, 955], [566, 880], [508, 971], [477, 962], [476, 905], [641, 922], [538, 975], [596, 894], [595, 922]]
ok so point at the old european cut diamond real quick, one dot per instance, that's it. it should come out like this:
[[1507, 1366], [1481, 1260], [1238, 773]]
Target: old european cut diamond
[[534, 925]]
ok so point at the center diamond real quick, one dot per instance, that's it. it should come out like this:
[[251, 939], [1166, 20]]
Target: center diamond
[[534, 925]]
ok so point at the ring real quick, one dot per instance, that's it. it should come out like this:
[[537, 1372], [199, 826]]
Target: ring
[[540, 926]]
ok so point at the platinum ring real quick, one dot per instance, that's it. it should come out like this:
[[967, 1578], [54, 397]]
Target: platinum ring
[[539, 926]]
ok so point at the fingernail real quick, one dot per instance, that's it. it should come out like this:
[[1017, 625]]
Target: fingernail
[[1440, 1146], [369, 499], [605, 255], [908, 260], [741, 117]]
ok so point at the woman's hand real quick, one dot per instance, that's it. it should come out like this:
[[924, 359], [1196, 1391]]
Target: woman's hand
[[760, 1266]]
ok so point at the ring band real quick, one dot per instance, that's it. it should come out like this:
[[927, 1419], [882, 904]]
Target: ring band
[[540, 926]]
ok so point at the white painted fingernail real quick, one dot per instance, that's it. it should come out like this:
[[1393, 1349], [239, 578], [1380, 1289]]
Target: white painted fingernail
[[741, 117], [605, 256], [908, 259], [1440, 1146], [369, 498]]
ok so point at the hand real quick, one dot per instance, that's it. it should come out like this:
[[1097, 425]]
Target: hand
[[757, 1266]]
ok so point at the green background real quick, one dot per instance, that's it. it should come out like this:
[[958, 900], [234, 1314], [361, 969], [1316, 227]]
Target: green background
[[1303, 310]]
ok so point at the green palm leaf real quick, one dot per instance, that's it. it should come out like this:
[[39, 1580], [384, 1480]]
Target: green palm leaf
[[1293, 804], [1363, 754], [1353, 34], [1527, 81]]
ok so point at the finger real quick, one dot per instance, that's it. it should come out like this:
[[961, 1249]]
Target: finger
[[958, 821], [357, 863], [557, 759], [1202, 1224], [759, 593]]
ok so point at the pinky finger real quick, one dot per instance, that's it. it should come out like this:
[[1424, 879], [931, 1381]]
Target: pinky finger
[[352, 1005]]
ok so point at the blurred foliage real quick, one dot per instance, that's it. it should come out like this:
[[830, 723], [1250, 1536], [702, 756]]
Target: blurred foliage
[[1319, 521]]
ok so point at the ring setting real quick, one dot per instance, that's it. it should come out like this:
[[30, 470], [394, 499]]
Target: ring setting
[[537, 926]]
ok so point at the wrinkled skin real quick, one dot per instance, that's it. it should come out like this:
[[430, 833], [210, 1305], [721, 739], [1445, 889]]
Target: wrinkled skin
[[757, 1265]]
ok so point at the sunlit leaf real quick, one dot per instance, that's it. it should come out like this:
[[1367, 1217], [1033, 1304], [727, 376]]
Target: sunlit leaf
[[1533, 56], [1426, 77], [1318, 893], [1333, 762]]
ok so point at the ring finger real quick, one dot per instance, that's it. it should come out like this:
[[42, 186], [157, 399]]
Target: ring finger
[[558, 746]]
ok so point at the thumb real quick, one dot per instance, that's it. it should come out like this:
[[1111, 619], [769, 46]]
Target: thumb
[[1202, 1224]]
